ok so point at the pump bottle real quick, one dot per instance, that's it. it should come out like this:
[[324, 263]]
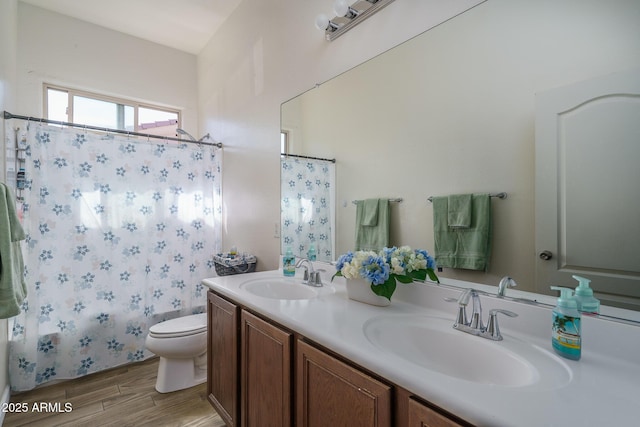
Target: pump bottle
[[566, 338], [311, 253], [587, 303], [289, 263]]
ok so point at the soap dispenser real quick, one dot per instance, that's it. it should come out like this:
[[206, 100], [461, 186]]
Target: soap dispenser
[[587, 303], [565, 332], [311, 253], [289, 263]]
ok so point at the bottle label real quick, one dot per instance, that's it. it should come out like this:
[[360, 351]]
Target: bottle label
[[288, 265], [566, 335]]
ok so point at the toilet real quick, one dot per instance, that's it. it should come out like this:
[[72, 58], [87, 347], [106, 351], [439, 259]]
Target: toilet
[[181, 344]]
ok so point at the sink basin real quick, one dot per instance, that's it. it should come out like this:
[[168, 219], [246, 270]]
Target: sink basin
[[431, 343], [283, 289]]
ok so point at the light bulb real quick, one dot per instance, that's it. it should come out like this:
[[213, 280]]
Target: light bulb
[[341, 7], [322, 22]]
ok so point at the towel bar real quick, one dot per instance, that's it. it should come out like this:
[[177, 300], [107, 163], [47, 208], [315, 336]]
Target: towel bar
[[391, 200], [502, 195]]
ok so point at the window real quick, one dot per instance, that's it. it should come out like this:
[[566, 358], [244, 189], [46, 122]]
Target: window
[[70, 105], [284, 142]]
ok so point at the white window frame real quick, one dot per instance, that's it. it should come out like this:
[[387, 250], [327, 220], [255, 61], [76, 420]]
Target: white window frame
[[119, 101]]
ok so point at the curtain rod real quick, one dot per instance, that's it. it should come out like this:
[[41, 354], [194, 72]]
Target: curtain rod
[[307, 157], [8, 115]]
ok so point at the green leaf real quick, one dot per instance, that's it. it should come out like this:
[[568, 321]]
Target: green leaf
[[432, 275], [338, 273], [418, 275], [402, 278], [386, 289]]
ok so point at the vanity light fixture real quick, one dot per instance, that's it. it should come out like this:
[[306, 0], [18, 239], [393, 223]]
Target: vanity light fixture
[[348, 16]]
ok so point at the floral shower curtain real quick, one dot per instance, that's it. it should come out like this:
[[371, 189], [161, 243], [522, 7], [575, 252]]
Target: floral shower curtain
[[120, 232], [307, 206]]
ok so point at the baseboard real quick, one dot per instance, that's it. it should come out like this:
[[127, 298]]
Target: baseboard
[[6, 397]]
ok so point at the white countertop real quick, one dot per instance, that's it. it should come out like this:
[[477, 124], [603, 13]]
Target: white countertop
[[601, 389]]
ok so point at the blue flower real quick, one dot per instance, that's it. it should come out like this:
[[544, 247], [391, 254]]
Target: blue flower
[[113, 344], [375, 270], [344, 258], [102, 318], [45, 346]]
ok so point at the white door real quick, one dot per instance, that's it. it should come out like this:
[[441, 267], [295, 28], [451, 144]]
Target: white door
[[588, 187]]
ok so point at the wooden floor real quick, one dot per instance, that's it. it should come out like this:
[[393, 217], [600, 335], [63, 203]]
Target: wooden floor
[[120, 397]]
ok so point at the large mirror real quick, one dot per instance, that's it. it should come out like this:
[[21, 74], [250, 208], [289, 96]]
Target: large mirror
[[453, 111]]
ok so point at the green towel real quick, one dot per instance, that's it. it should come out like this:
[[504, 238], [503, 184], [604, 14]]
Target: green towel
[[375, 237], [13, 289], [459, 210], [468, 248], [370, 212]]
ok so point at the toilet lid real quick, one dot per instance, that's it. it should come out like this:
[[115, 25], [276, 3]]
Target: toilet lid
[[180, 326]]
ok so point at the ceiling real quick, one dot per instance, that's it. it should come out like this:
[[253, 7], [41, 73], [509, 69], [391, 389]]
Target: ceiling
[[186, 25]]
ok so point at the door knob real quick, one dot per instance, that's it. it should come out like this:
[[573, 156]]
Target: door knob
[[546, 255]]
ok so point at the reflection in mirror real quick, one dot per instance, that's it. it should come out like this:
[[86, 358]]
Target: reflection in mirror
[[453, 111], [307, 206]]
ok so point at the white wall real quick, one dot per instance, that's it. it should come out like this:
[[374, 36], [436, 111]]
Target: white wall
[[265, 54], [8, 36], [57, 49]]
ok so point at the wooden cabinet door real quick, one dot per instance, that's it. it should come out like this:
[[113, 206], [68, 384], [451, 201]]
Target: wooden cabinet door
[[222, 358], [332, 393], [423, 416], [266, 374]]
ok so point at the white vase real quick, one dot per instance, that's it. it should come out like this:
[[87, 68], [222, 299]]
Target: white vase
[[360, 290]]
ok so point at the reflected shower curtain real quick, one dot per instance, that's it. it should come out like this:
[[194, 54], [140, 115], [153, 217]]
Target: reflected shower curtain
[[307, 206], [120, 232]]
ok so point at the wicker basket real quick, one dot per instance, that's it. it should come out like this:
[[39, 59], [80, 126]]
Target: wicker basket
[[227, 265]]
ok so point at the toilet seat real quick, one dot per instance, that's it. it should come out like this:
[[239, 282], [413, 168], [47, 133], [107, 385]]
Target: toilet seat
[[180, 327]]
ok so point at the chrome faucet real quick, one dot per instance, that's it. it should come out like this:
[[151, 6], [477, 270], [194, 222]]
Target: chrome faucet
[[475, 326], [506, 282], [476, 314], [311, 277]]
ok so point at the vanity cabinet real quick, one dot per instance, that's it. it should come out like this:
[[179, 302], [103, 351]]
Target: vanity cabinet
[[265, 373], [222, 358], [249, 367], [254, 380], [421, 415], [332, 393]]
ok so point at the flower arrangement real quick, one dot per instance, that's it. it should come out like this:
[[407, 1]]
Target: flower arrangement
[[382, 270]]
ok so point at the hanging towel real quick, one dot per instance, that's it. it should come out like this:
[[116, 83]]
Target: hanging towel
[[372, 237], [370, 212], [13, 289], [468, 248], [459, 210]]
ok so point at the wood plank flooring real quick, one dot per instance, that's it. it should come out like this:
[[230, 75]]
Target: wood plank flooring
[[123, 396]]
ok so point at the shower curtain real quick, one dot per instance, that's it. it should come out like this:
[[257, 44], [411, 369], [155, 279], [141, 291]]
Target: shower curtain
[[120, 232], [307, 206]]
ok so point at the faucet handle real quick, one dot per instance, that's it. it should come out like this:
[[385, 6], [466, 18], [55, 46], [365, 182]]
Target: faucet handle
[[465, 296], [493, 331], [315, 279], [461, 318]]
